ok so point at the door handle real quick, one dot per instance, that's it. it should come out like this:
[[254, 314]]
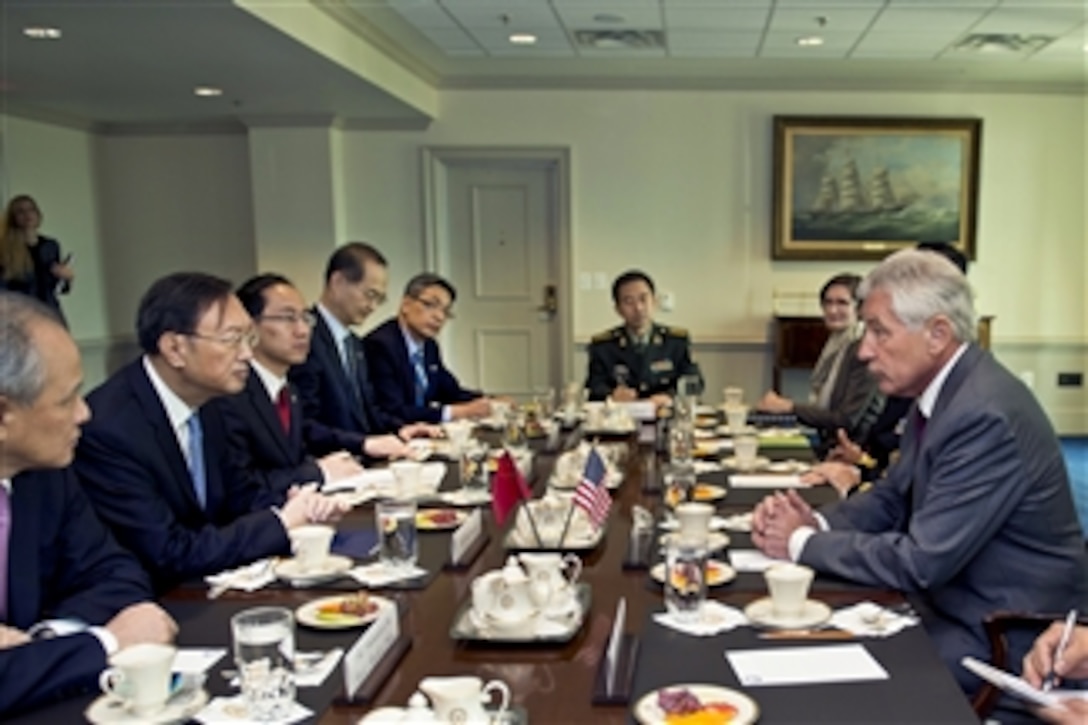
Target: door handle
[[550, 306]]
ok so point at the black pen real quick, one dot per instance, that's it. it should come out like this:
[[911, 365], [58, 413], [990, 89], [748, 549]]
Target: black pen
[[1067, 632]]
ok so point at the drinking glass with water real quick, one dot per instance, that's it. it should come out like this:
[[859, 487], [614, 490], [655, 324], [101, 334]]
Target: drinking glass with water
[[685, 580], [681, 441], [397, 535], [264, 652]]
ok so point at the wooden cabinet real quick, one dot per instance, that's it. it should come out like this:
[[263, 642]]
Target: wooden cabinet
[[797, 344]]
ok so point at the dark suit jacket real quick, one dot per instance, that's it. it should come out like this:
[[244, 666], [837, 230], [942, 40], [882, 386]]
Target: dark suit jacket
[[41, 283], [134, 471], [853, 405], [394, 377], [63, 563], [975, 517], [258, 441], [334, 418]]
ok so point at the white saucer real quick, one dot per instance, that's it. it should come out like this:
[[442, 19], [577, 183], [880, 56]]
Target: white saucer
[[761, 613], [715, 541], [108, 710], [758, 464], [789, 466], [332, 567]]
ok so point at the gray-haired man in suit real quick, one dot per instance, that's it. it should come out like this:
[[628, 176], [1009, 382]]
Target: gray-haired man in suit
[[977, 515]]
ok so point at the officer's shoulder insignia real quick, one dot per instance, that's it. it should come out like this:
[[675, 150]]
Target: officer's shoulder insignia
[[603, 336], [677, 331]]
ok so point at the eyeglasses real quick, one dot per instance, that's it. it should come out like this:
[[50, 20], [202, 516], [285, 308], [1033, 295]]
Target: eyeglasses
[[374, 296], [293, 318], [231, 339], [435, 306]]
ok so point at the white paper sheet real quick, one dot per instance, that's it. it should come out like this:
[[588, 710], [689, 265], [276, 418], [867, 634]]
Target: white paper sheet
[[195, 660], [750, 560], [805, 665], [759, 480]]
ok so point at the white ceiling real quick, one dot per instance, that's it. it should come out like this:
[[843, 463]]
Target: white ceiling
[[134, 63]]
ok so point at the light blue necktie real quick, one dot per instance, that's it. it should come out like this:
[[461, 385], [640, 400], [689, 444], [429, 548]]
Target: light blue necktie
[[421, 377], [196, 459]]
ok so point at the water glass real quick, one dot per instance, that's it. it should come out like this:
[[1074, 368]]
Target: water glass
[[679, 485], [545, 401], [397, 536], [685, 580], [681, 442], [264, 652], [474, 467]]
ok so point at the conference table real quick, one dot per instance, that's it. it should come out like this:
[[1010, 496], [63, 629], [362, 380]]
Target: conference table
[[554, 683]]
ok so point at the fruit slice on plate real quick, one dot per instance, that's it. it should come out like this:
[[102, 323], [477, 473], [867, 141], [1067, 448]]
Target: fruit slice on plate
[[708, 492], [439, 519], [341, 612]]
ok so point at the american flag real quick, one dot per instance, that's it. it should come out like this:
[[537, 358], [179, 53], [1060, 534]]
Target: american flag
[[591, 494]]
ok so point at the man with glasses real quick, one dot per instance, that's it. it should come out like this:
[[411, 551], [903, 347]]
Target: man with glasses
[[265, 419], [410, 380], [334, 383], [154, 458]]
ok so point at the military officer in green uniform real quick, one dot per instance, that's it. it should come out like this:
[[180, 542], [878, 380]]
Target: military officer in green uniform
[[638, 359]]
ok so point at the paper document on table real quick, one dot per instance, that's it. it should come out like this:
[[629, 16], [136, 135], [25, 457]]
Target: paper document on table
[[751, 560], [194, 660], [756, 480], [370, 478], [805, 665]]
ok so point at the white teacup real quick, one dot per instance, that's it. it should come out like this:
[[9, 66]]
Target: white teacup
[[459, 433], [500, 408], [745, 450], [139, 676], [736, 417], [733, 395], [310, 545], [694, 520], [408, 475], [460, 699], [788, 585]]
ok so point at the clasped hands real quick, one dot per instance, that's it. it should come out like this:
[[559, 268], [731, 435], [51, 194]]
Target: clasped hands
[[776, 518], [307, 505]]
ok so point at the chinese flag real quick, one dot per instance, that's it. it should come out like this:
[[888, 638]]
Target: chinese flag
[[508, 488]]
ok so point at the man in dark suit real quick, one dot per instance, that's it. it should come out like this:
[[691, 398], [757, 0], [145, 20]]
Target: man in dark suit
[[265, 419], [61, 572], [410, 380], [639, 359], [976, 515], [154, 458], [334, 384]]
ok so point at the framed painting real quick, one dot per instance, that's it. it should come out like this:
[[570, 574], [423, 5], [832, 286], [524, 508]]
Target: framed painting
[[861, 188]]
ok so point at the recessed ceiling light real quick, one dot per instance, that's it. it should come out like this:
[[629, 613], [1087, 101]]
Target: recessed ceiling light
[[810, 41], [208, 91], [39, 32], [523, 39]]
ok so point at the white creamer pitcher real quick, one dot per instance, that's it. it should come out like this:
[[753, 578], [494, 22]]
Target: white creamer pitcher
[[460, 699]]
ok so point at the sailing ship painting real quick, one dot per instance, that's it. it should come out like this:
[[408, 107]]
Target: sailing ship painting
[[850, 187]]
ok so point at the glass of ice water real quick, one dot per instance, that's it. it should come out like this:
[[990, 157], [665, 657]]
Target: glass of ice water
[[396, 522], [685, 579], [264, 652], [681, 442]]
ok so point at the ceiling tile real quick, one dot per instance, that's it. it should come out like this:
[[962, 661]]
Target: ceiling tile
[[946, 4], [581, 16], [701, 18], [622, 52], [811, 6], [496, 41], [1027, 21], [838, 17], [423, 13], [843, 40], [709, 39], [455, 39], [933, 41], [916, 53], [956, 19], [510, 15]]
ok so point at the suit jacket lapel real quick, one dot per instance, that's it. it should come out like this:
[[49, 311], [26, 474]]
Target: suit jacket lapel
[[24, 590], [155, 415], [323, 341]]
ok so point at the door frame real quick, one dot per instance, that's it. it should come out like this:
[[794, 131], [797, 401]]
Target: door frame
[[437, 160]]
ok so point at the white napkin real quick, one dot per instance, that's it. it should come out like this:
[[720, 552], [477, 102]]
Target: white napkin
[[714, 618], [248, 578], [232, 710], [751, 560], [379, 575], [466, 497], [707, 466], [737, 522], [868, 619], [770, 480]]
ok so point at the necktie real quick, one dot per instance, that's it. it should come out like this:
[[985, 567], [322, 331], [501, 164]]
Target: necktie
[[283, 409], [351, 364], [5, 535], [421, 377], [196, 459]]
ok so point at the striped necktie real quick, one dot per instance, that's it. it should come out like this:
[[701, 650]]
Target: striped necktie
[[421, 377], [196, 459]]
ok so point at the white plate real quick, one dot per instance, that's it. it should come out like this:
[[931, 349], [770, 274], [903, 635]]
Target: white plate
[[647, 712], [708, 492], [465, 497], [789, 466], [425, 523], [307, 613], [181, 707], [761, 613], [717, 523], [719, 573], [716, 541], [332, 567], [758, 464]]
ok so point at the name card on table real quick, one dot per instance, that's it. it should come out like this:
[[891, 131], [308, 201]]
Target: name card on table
[[466, 535], [613, 682], [372, 645], [770, 480], [613, 653]]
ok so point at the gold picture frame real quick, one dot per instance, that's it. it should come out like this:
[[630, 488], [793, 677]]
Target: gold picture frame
[[860, 188]]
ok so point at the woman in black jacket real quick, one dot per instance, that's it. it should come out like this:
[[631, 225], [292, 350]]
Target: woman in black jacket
[[29, 262]]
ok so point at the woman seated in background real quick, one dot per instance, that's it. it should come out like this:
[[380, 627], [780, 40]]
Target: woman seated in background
[[30, 263], [843, 395]]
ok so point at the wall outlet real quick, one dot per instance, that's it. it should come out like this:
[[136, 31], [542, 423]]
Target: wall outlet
[[666, 301], [1070, 380]]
